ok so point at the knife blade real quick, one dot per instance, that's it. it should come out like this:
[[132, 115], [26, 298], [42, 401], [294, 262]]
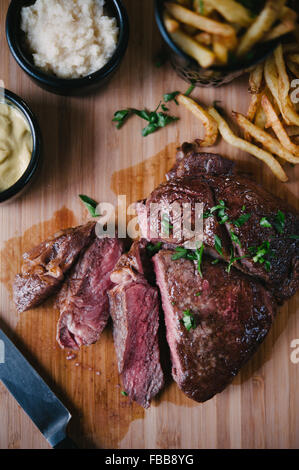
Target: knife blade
[[35, 397]]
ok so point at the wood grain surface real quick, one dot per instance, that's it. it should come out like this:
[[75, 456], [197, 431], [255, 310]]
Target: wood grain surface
[[84, 153]]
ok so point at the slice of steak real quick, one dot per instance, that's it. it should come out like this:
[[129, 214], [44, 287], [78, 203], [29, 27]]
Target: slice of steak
[[134, 307], [190, 190], [44, 267], [232, 314], [83, 300]]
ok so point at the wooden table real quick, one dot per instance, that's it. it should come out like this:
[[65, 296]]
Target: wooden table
[[84, 153]]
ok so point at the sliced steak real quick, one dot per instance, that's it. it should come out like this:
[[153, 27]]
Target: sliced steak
[[211, 179], [44, 267], [83, 300], [280, 269], [232, 312], [134, 307]]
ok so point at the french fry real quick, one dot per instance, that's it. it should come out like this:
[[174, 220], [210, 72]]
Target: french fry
[[233, 12], [271, 78], [200, 53], [269, 142], [260, 26], [284, 87], [274, 122], [210, 125], [204, 38], [170, 23], [235, 141], [220, 50], [256, 79], [260, 118], [198, 21], [252, 110], [288, 24]]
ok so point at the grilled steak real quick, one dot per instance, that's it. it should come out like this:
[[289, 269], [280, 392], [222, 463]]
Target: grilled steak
[[44, 267], [254, 225], [134, 307], [232, 314], [83, 300]]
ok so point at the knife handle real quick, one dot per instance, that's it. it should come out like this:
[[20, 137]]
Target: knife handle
[[67, 443]]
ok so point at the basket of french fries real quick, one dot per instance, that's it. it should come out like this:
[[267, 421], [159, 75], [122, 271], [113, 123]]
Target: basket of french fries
[[214, 41]]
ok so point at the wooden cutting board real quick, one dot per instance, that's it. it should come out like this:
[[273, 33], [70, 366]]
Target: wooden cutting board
[[84, 153]]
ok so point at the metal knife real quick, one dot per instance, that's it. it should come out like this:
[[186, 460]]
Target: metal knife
[[34, 396]]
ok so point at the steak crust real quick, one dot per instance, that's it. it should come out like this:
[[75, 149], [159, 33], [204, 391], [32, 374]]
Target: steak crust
[[233, 314]]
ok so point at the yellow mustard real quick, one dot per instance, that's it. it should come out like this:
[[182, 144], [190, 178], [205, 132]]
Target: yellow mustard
[[15, 145]]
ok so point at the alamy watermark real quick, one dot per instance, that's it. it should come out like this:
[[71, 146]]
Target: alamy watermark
[[2, 352], [173, 221], [295, 353]]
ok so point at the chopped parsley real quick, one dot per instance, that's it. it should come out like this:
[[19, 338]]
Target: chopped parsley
[[279, 222], [235, 238], [220, 208], [233, 260], [171, 97], [216, 261], [198, 294], [242, 219], [153, 249], [260, 252], [124, 394], [264, 222], [218, 245], [189, 91], [90, 204], [193, 255], [156, 119], [188, 320]]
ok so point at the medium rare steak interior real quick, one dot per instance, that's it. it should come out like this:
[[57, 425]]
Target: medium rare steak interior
[[44, 267], [214, 323], [135, 307], [83, 300]]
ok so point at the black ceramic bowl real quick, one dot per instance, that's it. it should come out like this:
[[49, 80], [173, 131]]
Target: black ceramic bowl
[[188, 69], [77, 86], [22, 184]]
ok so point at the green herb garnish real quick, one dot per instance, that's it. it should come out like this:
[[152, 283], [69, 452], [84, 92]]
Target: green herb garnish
[[153, 249], [200, 7], [188, 320], [220, 208], [90, 204], [156, 119], [218, 245], [241, 220], [216, 261], [260, 252], [279, 222], [189, 91], [264, 222], [124, 394], [193, 255], [233, 260], [198, 294], [181, 252], [121, 116], [171, 97], [235, 238]]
